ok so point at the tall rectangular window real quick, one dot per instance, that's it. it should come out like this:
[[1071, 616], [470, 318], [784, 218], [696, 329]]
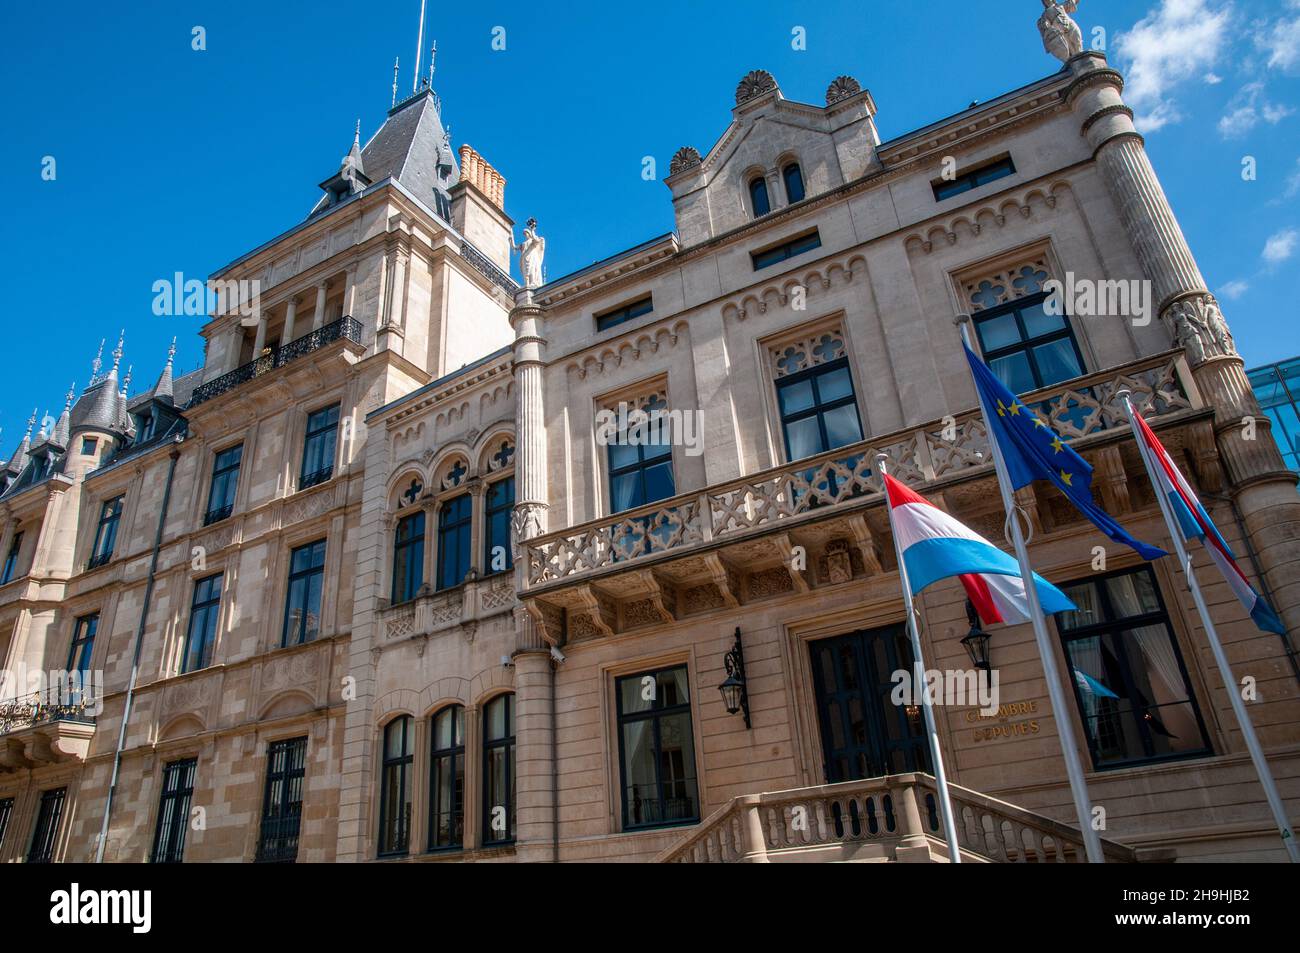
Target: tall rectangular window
[[1129, 679], [225, 480], [318, 450], [45, 836], [657, 749], [1026, 347], [499, 770], [286, 767], [106, 532], [174, 811], [6, 812], [80, 652], [819, 410], [205, 608], [306, 581], [454, 523], [11, 559], [447, 779], [408, 557], [497, 556], [395, 787], [641, 465]]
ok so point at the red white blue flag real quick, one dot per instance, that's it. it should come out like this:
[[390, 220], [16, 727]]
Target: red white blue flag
[[1195, 523]]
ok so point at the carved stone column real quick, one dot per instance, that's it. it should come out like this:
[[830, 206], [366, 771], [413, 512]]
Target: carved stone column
[[534, 741], [290, 312], [1262, 487], [318, 318], [530, 513]]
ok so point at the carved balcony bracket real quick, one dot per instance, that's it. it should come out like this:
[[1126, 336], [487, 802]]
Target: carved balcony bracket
[[662, 595], [1027, 497], [797, 576], [1111, 480], [866, 541], [726, 579], [548, 620], [1204, 451], [597, 607]]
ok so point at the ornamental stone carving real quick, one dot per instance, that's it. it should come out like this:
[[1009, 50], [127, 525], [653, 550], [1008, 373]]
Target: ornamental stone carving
[[1199, 328], [842, 87], [755, 83], [1061, 35], [684, 158]]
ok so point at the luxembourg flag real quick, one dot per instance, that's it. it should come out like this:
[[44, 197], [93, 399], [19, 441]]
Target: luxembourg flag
[[1195, 523], [935, 546]]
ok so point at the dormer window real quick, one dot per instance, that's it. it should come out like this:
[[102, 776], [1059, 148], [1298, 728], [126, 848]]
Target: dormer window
[[758, 199], [793, 177], [144, 424]]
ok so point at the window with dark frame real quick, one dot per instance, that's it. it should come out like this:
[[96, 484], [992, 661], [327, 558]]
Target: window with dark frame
[[395, 787], [973, 179], [306, 582], [788, 249], [641, 462], [1026, 347], [225, 481], [499, 503], [45, 835], [499, 771], [6, 812], [656, 748], [80, 652], [174, 811], [792, 175], [819, 409], [88, 445], [286, 768], [447, 779], [758, 199], [1130, 683], [627, 312], [455, 519], [201, 636], [106, 532], [11, 559], [408, 557], [318, 447]]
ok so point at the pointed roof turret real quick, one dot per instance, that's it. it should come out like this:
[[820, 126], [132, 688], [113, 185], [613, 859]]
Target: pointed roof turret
[[163, 389], [18, 460], [63, 429], [104, 411]]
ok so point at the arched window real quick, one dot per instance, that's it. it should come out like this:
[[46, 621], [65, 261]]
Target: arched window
[[447, 779], [499, 770], [758, 196], [793, 183], [408, 557], [395, 788]]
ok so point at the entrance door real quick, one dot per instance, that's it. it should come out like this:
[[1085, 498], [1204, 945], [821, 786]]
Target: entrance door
[[865, 735]]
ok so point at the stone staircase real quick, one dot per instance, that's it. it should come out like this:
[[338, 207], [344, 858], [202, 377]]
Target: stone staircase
[[878, 820]]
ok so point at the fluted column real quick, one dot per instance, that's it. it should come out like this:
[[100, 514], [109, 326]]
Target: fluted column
[[1259, 482], [530, 514]]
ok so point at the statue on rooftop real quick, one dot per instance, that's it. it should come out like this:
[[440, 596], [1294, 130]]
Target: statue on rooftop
[[1061, 35], [531, 251]]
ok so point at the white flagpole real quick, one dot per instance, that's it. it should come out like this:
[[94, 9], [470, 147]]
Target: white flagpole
[[1073, 765], [1212, 636], [918, 662]]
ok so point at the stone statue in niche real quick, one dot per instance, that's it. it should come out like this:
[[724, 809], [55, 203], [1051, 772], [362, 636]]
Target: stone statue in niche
[[1061, 35], [531, 251]]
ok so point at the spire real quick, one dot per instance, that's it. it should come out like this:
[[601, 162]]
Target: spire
[[16, 462], [117, 352], [126, 381], [97, 363], [42, 435], [62, 430], [433, 58], [395, 62], [163, 389]]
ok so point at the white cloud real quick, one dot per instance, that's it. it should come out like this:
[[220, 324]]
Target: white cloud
[[1234, 290], [1213, 79], [1280, 246], [1281, 40], [1170, 45], [1246, 110]]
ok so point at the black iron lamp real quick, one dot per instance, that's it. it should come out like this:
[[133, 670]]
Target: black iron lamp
[[977, 640], [735, 693]]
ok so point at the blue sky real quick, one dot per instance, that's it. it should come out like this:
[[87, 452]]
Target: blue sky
[[170, 159]]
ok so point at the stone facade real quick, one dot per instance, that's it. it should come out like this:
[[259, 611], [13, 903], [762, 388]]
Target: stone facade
[[451, 384]]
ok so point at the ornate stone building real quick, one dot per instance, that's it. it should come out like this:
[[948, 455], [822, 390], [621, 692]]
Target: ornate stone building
[[371, 584]]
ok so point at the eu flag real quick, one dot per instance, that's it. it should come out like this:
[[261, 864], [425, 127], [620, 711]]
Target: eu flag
[[1032, 450]]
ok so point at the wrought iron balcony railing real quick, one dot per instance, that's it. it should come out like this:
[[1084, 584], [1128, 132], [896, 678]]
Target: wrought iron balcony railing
[[40, 708], [918, 455], [345, 328], [482, 264]]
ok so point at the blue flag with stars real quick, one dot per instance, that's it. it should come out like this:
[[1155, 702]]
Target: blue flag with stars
[[1032, 450]]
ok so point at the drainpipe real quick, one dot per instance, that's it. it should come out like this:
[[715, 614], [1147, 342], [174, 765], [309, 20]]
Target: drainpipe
[[173, 454], [555, 775]]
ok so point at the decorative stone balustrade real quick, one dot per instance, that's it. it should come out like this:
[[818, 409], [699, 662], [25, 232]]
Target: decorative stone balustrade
[[1160, 384], [894, 818]]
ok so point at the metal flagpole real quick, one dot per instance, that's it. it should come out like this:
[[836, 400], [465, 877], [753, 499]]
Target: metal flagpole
[[941, 777], [1212, 636], [1073, 766]]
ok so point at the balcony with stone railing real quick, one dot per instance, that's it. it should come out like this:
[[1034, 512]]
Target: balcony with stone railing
[[840, 480], [45, 728], [884, 819], [344, 329]]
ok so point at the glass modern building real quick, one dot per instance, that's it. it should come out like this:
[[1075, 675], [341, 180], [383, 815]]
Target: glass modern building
[[1277, 386]]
